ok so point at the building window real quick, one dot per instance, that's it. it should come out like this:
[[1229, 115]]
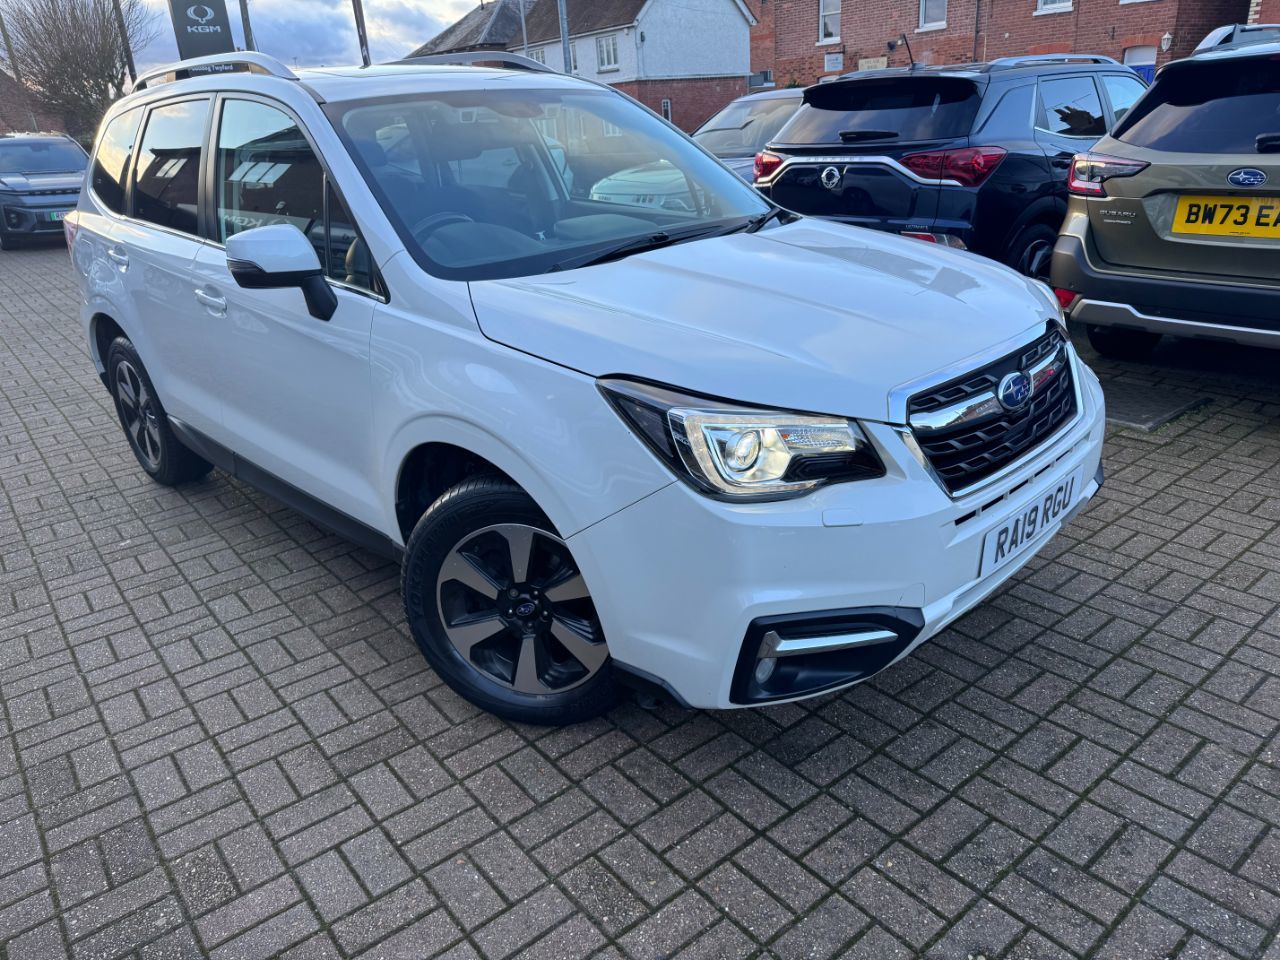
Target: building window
[[539, 54], [666, 109], [933, 13], [573, 56], [607, 52], [828, 21], [1051, 6]]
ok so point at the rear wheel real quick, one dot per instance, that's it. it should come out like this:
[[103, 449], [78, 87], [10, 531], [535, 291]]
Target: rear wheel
[[1032, 252], [500, 610], [145, 423], [1120, 343]]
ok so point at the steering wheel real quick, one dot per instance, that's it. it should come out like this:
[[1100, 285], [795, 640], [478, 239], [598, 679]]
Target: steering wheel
[[428, 225]]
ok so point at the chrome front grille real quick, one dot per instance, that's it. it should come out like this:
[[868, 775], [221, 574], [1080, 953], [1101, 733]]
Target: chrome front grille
[[967, 434]]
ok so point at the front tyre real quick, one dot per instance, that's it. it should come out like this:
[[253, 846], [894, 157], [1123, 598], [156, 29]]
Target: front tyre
[[145, 423], [1119, 343], [499, 608]]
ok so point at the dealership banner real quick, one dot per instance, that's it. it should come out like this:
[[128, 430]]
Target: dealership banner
[[202, 28]]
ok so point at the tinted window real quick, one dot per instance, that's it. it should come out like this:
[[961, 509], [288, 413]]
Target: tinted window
[[1208, 108], [112, 159], [1123, 92], [744, 127], [877, 111], [1072, 107], [267, 173], [167, 174], [22, 155]]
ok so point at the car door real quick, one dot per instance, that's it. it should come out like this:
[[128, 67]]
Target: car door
[[154, 248], [1071, 120], [296, 389]]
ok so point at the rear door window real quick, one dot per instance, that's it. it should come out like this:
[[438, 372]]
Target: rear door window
[[1216, 108], [167, 174], [1072, 107], [885, 110]]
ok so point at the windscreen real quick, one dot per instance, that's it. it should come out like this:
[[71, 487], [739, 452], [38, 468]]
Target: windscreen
[[41, 156], [483, 184], [744, 127], [884, 109], [1232, 106]]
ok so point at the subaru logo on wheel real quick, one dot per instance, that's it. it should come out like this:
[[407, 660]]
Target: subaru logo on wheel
[[831, 178], [1247, 177], [1014, 390]]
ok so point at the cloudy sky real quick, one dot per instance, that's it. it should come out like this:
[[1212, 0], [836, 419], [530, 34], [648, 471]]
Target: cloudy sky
[[321, 31]]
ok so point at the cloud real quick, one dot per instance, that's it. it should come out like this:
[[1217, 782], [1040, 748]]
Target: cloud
[[315, 32]]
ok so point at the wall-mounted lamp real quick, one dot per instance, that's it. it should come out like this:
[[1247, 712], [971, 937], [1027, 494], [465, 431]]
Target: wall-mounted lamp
[[1166, 41]]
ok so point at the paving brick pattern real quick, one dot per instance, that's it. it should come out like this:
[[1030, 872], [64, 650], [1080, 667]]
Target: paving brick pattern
[[217, 737]]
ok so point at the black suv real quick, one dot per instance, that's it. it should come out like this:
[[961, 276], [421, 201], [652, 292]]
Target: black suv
[[974, 156], [40, 177]]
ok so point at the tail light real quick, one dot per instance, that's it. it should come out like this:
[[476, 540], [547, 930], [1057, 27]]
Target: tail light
[[1066, 298], [767, 164], [1089, 171], [970, 166]]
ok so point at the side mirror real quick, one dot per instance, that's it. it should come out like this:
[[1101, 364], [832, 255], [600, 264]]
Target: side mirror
[[279, 256]]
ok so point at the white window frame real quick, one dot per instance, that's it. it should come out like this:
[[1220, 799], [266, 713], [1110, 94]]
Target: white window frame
[[1053, 6], [573, 56], [539, 54], [666, 109], [607, 53], [932, 24], [826, 10]]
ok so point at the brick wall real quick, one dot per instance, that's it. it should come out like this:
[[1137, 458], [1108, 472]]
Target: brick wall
[[693, 99], [762, 34], [1264, 11], [989, 28], [14, 112]]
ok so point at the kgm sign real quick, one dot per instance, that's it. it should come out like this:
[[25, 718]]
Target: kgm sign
[[202, 29]]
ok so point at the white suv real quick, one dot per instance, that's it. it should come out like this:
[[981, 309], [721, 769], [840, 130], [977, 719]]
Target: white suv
[[716, 447]]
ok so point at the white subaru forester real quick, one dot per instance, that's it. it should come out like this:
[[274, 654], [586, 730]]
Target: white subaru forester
[[707, 444]]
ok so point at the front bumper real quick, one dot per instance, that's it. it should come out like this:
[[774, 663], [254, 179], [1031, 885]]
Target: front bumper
[[1177, 306], [680, 580], [19, 220]]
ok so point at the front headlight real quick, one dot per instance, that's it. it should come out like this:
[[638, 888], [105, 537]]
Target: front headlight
[[740, 453]]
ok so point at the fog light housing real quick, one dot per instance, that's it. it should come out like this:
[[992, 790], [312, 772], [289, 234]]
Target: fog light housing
[[798, 655]]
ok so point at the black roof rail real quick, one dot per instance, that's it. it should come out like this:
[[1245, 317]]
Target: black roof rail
[[1008, 63], [473, 58]]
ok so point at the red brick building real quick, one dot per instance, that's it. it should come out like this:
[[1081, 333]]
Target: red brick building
[[803, 40], [1264, 11], [18, 109]]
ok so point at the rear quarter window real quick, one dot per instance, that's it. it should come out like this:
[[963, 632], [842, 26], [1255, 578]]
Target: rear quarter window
[[885, 110], [111, 159], [1214, 108]]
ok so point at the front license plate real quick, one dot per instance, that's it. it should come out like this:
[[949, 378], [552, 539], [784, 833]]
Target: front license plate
[[56, 215], [1024, 528], [1228, 216]]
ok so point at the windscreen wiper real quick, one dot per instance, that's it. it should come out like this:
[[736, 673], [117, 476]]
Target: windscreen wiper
[[650, 241], [777, 213], [1267, 143], [855, 136]]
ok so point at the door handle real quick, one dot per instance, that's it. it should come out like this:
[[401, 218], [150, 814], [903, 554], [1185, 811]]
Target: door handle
[[118, 256], [213, 302]]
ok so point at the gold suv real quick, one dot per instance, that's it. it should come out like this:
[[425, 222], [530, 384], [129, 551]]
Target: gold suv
[[1173, 223]]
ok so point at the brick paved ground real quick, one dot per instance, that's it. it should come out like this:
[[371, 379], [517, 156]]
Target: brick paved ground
[[217, 737]]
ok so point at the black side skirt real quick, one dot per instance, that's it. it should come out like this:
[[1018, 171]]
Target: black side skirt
[[314, 510]]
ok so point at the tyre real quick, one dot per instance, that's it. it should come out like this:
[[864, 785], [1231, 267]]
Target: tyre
[[1119, 343], [145, 423], [500, 610], [1032, 252]]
